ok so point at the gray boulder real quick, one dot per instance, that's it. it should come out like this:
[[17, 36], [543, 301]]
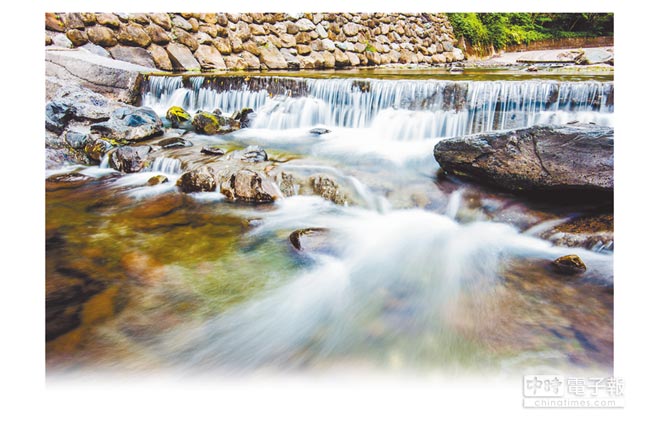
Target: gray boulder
[[130, 124], [558, 159], [129, 159]]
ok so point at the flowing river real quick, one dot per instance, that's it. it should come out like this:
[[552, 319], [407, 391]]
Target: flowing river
[[409, 272]]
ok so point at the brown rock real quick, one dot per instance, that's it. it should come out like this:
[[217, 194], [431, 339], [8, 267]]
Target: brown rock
[[252, 47], [341, 60], [221, 20], [351, 29], [160, 57], [353, 59], [73, 21], [157, 34], [133, 55], [54, 22], [303, 38], [203, 38], [209, 29], [252, 61], [110, 20], [88, 18], [101, 35], [161, 19], [272, 58], [133, 35], [287, 41], [193, 22], [198, 180], [77, 37], [328, 59], [211, 18], [185, 38], [256, 29], [292, 29], [181, 57], [234, 62], [223, 46], [209, 58], [181, 23], [569, 265], [139, 19], [303, 49], [248, 186], [236, 44]]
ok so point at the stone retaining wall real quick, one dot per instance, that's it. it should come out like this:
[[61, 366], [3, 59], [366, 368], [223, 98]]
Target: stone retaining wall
[[258, 41]]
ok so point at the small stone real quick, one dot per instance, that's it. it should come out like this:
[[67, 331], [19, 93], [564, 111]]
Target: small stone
[[156, 180], [569, 265], [212, 150]]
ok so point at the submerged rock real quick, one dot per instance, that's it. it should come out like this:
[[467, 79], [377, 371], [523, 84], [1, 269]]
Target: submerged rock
[[177, 116], [252, 154], [212, 150], [66, 180], [129, 159], [569, 265], [173, 142], [327, 188], [563, 160], [130, 124], [310, 239], [286, 184], [244, 117], [156, 180], [248, 186], [198, 180], [319, 131], [594, 232]]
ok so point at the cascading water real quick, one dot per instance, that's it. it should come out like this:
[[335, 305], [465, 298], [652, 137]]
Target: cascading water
[[397, 109], [398, 279]]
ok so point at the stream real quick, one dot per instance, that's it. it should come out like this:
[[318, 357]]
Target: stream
[[409, 272]]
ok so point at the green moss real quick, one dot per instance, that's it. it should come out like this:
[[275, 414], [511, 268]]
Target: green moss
[[370, 48]]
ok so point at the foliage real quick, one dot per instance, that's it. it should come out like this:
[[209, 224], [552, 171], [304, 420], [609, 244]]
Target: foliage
[[503, 29]]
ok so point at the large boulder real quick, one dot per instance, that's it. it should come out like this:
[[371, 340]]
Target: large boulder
[[130, 124], [572, 159], [129, 159], [73, 102], [112, 78]]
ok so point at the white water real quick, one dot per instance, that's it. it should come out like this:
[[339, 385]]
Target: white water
[[386, 290], [401, 110]]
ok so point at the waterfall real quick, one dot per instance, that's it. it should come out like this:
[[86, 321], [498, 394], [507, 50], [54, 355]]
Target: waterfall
[[166, 165]]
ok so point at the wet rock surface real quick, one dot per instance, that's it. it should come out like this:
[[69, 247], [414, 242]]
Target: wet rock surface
[[128, 159], [199, 180], [562, 160]]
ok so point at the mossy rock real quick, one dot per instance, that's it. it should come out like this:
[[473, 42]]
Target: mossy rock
[[177, 116], [96, 150], [206, 123]]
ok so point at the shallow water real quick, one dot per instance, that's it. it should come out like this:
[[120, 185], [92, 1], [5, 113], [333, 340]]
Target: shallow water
[[411, 274]]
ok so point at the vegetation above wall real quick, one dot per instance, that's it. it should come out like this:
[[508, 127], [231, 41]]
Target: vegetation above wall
[[506, 29]]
